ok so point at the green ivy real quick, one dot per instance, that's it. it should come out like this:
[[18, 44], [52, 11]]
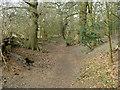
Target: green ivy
[[69, 41], [15, 44]]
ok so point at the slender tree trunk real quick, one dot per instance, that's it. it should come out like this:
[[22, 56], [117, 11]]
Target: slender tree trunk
[[83, 13], [118, 28], [108, 32], [90, 21], [113, 29], [82, 16], [63, 32], [63, 24], [94, 15], [64, 28]]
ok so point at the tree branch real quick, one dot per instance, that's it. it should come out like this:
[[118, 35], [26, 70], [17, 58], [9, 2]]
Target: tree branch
[[72, 6], [115, 15], [27, 8], [29, 3], [7, 8], [71, 15]]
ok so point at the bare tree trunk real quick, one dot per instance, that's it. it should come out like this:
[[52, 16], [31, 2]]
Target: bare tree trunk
[[90, 22], [82, 16], [83, 13], [33, 42], [63, 24], [64, 28], [63, 32], [108, 32]]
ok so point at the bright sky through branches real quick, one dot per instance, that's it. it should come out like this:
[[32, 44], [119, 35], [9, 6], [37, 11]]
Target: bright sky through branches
[[62, 0]]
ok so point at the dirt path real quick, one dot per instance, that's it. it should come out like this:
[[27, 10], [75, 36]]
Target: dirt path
[[62, 73]]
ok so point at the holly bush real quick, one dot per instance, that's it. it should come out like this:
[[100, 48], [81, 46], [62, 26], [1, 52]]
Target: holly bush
[[90, 38]]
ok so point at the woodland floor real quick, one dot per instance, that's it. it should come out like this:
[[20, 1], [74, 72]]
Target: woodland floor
[[62, 67]]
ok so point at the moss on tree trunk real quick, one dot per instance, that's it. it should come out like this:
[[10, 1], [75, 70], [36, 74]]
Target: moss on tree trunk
[[82, 17], [108, 33], [33, 41]]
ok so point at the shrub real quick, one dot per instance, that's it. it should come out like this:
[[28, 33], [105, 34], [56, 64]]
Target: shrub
[[89, 37]]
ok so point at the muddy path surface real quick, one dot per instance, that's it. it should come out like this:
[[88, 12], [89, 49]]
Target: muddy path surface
[[57, 69]]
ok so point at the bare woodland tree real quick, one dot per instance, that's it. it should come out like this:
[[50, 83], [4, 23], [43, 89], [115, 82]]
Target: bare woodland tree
[[108, 32], [32, 42]]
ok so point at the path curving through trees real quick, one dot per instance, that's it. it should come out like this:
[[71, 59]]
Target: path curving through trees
[[61, 69]]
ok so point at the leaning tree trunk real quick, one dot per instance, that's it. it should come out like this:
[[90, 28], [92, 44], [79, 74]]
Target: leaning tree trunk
[[108, 32]]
